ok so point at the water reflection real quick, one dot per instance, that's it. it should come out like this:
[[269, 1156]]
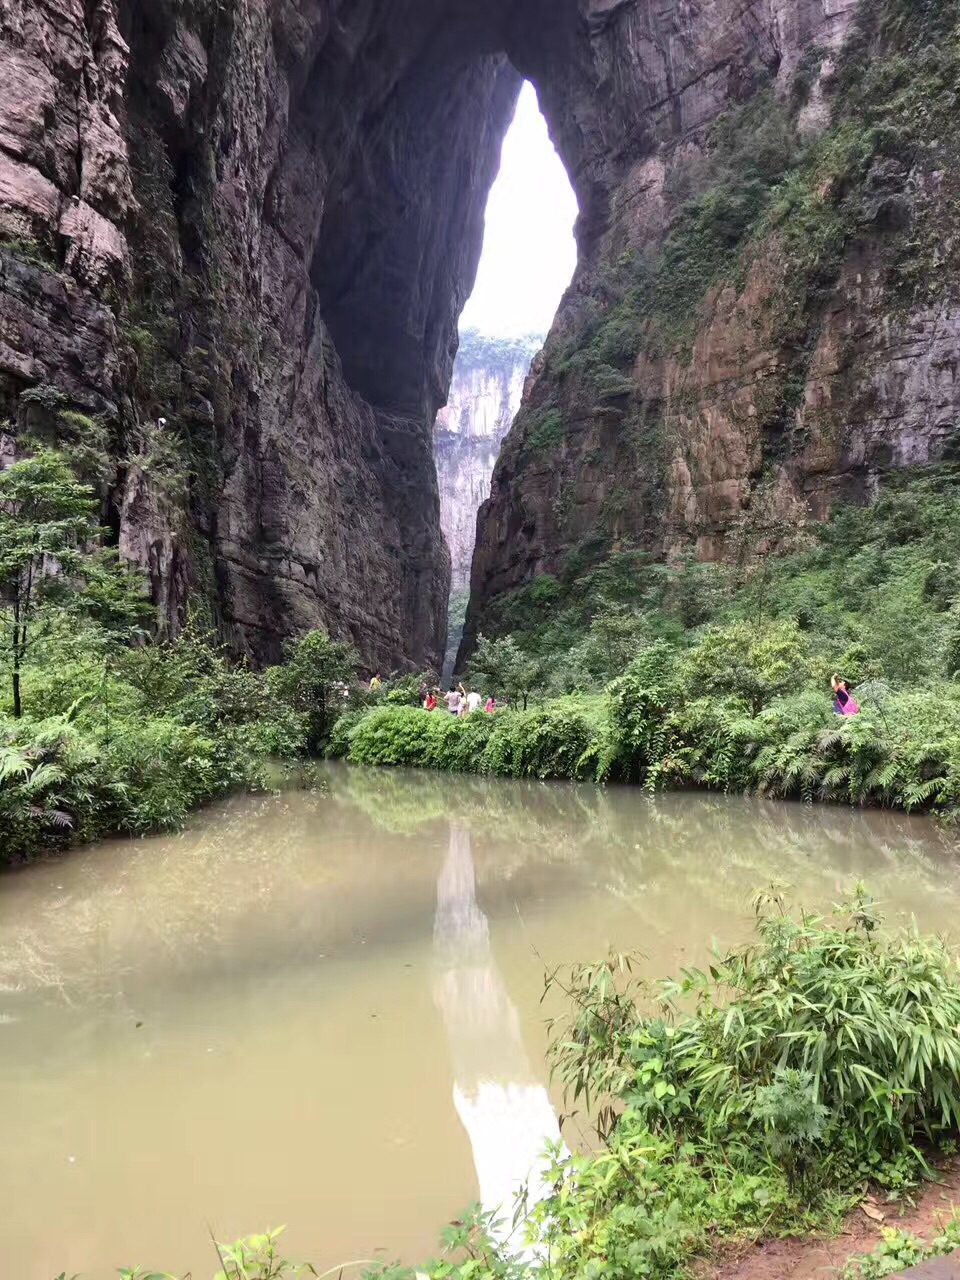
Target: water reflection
[[505, 1110], [268, 882], [289, 974]]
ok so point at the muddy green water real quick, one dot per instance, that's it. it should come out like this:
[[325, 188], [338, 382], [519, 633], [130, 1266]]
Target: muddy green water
[[322, 1008]]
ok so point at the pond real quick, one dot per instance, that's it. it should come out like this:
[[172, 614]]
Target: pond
[[323, 1008]]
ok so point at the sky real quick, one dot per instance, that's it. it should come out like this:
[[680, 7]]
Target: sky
[[528, 251]]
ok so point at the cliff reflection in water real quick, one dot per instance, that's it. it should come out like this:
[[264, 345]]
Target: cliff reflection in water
[[505, 1110], [290, 969]]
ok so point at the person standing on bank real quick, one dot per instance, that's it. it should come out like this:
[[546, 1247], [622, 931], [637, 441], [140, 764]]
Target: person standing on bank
[[844, 703]]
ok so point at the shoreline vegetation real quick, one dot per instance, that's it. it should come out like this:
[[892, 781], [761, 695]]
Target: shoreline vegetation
[[106, 727], [718, 676], [811, 1070], [665, 676]]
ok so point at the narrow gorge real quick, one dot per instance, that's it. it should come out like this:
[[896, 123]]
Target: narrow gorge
[[270, 468], [486, 392], [237, 236]]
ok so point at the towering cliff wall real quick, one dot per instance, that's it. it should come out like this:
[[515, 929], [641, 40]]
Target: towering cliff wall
[[766, 318], [238, 234], [485, 394]]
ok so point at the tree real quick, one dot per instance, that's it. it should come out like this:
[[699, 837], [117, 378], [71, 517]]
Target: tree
[[755, 664], [307, 681], [503, 668], [46, 521], [616, 634]]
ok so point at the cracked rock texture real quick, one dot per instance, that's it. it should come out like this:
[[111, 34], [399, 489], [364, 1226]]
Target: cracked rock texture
[[240, 232]]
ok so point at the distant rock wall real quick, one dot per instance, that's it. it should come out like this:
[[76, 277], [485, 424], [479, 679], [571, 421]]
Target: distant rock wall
[[485, 394]]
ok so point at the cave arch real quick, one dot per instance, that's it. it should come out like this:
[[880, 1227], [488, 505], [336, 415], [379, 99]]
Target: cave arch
[[402, 226], [384, 147], [380, 124], [269, 216], [393, 137]]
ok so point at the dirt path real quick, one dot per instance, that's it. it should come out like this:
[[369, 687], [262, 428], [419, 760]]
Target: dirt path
[[818, 1259]]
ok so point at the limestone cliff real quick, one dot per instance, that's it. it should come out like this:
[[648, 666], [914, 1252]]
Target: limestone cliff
[[237, 235], [485, 394], [766, 313]]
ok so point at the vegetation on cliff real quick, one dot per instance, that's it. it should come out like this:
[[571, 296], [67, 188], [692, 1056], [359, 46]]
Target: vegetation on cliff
[[873, 590], [768, 225], [718, 676]]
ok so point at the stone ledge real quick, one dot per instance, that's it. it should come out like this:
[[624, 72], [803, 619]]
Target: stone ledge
[[937, 1269]]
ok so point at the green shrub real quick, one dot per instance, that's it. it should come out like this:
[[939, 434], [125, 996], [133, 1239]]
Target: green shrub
[[430, 739], [310, 682], [503, 669], [560, 740], [642, 701], [396, 736], [132, 739], [341, 736], [404, 691], [759, 1098], [902, 750], [54, 788], [747, 662], [164, 769], [60, 783], [196, 682], [549, 742], [871, 1021], [459, 744]]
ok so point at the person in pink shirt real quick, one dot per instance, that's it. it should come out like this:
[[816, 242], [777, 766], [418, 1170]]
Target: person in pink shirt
[[845, 704]]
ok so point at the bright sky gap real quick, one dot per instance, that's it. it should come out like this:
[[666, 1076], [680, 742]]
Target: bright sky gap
[[529, 252]]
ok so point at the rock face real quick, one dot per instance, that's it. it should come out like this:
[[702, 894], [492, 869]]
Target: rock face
[[256, 221], [237, 234], [766, 312], [485, 394]]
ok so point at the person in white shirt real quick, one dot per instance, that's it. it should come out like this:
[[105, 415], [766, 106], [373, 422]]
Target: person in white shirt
[[473, 701]]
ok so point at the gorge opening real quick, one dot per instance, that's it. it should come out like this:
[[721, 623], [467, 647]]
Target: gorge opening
[[529, 256]]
